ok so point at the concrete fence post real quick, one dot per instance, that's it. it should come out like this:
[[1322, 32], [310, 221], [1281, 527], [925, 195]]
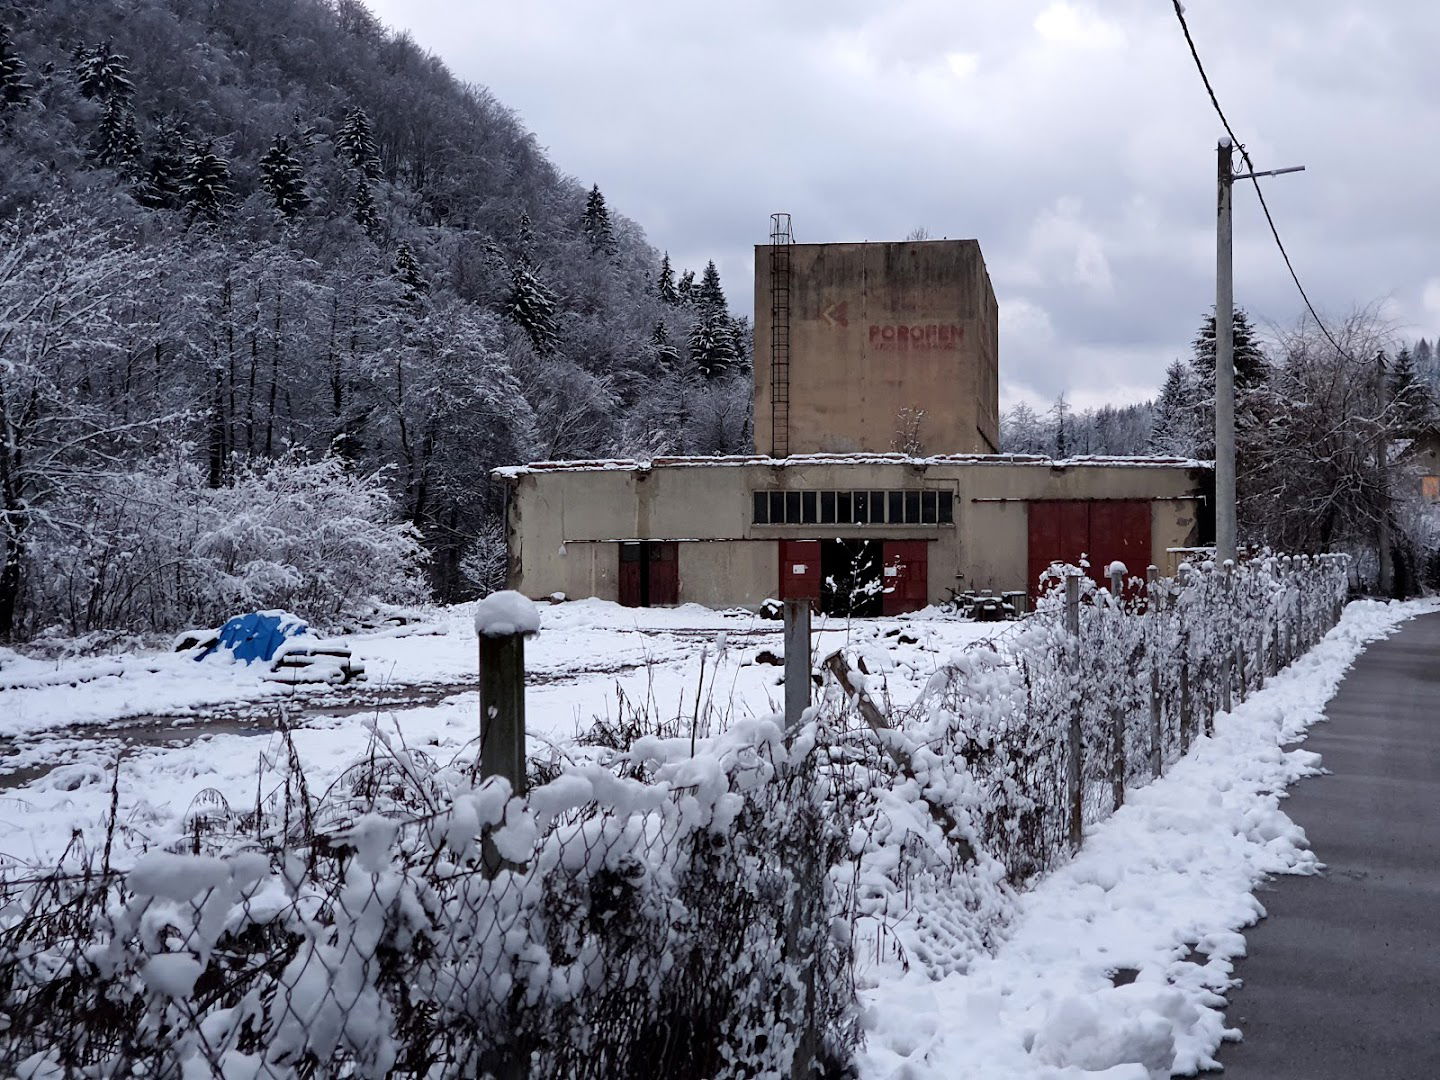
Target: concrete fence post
[[798, 663], [1117, 585], [1074, 789]]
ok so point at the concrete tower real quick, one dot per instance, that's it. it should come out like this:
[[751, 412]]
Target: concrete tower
[[881, 346]]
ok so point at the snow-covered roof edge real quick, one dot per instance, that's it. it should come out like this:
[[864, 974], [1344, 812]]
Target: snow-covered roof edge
[[510, 472]]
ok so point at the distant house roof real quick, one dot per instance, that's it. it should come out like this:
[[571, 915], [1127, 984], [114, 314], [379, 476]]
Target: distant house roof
[[508, 472], [1427, 438]]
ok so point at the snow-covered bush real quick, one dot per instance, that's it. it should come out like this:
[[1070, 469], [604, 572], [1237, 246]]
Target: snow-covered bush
[[668, 914], [155, 549], [974, 795]]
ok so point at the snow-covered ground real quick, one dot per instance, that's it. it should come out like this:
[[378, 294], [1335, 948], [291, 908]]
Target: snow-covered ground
[[1114, 965], [1158, 896], [588, 658]]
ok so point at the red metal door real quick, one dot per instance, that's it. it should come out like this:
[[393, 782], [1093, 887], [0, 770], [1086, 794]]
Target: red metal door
[[664, 569], [800, 570], [1119, 531], [906, 577], [1059, 532], [631, 567], [1101, 530]]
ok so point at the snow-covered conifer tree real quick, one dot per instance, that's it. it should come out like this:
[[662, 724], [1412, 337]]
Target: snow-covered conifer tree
[[116, 143], [712, 343], [711, 297], [665, 285], [355, 140], [1177, 413], [666, 355], [102, 73], [1413, 402], [531, 306], [205, 187], [15, 90], [595, 224], [283, 179], [363, 209]]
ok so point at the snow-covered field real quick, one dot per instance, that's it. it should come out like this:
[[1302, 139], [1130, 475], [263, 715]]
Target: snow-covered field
[[589, 658], [1118, 960]]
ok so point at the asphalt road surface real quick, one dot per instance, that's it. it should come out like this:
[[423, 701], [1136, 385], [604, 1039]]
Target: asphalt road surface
[[1343, 977]]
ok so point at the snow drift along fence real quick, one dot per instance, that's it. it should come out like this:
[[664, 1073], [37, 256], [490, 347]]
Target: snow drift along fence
[[683, 909]]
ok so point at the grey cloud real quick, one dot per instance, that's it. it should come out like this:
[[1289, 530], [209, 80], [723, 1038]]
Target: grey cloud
[[1077, 150]]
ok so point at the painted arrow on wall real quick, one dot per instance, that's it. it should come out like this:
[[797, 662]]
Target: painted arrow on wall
[[836, 314]]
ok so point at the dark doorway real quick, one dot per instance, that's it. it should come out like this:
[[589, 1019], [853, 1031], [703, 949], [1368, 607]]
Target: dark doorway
[[850, 580], [649, 573]]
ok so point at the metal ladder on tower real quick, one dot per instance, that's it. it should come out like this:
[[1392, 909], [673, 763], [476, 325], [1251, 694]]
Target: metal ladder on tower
[[781, 237]]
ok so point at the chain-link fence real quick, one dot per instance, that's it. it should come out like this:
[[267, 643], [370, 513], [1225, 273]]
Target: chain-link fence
[[666, 909]]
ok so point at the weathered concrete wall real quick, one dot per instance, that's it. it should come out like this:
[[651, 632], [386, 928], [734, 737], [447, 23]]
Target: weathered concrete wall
[[876, 329], [563, 524]]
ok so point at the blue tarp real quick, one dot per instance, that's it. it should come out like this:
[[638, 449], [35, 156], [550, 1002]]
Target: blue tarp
[[256, 636]]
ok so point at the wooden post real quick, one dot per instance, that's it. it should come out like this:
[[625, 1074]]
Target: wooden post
[[1117, 586], [502, 709], [797, 661], [1074, 788]]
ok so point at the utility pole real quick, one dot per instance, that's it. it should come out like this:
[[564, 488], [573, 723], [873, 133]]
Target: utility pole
[[1224, 363], [1386, 575], [1225, 350]]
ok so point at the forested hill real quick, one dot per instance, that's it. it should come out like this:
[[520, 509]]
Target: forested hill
[[247, 238]]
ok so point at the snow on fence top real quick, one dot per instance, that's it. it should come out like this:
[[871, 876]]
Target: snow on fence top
[[511, 472], [506, 612]]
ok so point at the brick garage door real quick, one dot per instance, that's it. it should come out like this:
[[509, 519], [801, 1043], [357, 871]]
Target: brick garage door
[[1103, 530]]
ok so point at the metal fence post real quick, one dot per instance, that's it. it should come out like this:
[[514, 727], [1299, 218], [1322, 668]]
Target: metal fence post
[[1073, 787], [798, 662]]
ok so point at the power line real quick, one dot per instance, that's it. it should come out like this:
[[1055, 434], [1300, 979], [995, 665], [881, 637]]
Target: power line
[[1259, 194]]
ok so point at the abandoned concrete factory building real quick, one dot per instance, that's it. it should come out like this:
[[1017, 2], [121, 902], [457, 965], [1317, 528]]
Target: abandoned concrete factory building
[[877, 484]]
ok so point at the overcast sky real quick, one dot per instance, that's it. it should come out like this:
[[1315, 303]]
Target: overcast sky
[[1073, 140]]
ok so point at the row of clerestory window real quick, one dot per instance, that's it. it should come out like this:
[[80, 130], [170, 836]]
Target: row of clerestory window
[[906, 507]]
